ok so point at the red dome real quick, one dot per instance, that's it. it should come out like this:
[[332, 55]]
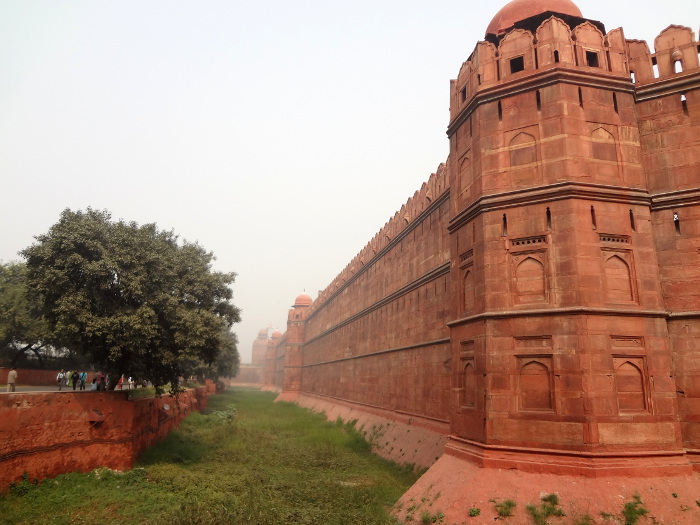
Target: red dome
[[276, 334], [303, 300], [518, 10]]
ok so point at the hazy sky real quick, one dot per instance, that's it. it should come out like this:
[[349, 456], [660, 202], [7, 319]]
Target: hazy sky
[[280, 135]]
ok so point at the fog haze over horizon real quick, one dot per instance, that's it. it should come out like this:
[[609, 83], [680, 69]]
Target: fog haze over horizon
[[281, 136]]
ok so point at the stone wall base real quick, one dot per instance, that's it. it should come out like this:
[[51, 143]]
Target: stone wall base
[[454, 485], [589, 465], [401, 438]]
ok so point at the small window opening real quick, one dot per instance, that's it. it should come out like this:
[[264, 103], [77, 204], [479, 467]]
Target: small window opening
[[676, 223], [538, 99], [517, 64], [464, 94], [478, 79], [615, 102], [592, 59], [580, 97], [549, 220], [593, 221], [678, 66], [556, 56], [655, 67], [684, 104], [505, 225], [607, 55], [537, 61], [500, 111], [633, 77], [632, 225]]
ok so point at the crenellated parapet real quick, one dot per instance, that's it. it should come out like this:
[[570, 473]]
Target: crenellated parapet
[[436, 185], [536, 54], [673, 68]]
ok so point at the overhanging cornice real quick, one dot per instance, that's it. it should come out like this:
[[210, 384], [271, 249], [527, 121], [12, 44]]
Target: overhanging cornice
[[539, 80]]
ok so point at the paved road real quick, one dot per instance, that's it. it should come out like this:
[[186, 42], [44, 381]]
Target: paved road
[[51, 388]]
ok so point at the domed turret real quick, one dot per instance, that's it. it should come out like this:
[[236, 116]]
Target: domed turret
[[303, 301], [518, 10], [276, 334]]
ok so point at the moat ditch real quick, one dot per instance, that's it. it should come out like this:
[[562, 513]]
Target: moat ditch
[[245, 459]]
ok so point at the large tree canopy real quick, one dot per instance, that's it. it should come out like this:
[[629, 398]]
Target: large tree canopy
[[22, 327], [133, 298]]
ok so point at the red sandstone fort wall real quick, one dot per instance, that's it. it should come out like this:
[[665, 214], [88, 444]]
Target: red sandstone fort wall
[[549, 300], [377, 335], [669, 121], [248, 375], [46, 434]]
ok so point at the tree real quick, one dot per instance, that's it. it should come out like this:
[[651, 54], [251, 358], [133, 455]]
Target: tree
[[133, 298], [226, 364], [229, 361], [22, 327]]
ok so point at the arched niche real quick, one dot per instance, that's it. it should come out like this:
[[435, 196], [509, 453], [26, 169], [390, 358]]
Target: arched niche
[[468, 291], [630, 384], [465, 173], [603, 145], [530, 281], [522, 149], [535, 386], [468, 384], [618, 280]]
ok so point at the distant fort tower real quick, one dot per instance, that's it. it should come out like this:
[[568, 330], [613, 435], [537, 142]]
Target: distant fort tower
[[537, 301]]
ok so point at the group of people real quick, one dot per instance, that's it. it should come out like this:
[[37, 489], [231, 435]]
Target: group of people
[[77, 379]]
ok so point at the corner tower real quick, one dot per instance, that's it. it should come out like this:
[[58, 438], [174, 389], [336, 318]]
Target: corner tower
[[260, 348], [560, 352], [293, 358]]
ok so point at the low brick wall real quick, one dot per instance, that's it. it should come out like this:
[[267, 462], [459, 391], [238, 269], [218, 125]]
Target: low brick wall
[[46, 434], [33, 377], [250, 376]]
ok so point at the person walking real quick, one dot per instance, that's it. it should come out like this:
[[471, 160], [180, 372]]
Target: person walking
[[75, 378], [101, 381], [60, 378], [83, 379], [11, 379]]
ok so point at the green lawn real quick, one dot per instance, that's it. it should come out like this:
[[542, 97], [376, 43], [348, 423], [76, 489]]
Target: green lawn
[[246, 460]]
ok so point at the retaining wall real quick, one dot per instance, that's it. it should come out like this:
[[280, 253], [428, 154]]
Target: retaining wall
[[46, 434]]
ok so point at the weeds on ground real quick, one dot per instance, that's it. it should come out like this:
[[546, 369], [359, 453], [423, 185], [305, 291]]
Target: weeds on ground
[[505, 508], [548, 507], [426, 518], [586, 519], [633, 510]]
